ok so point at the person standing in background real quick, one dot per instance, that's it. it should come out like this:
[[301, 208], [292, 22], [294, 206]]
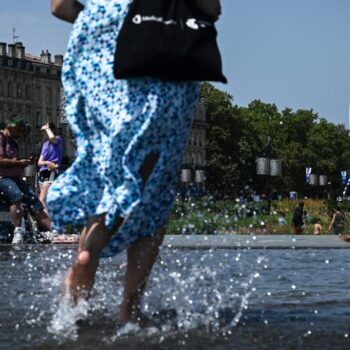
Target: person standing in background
[[298, 221], [50, 160], [337, 224]]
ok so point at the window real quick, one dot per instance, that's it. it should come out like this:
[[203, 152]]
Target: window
[[9, 90], [38, 93], [28, 92], [19, 91], [193, 156], [38, 119], [49, 96], [1, 111]]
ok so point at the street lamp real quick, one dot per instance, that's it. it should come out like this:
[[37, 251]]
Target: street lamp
[[315, 180], [186, 176], [330, 191], [268, 167]]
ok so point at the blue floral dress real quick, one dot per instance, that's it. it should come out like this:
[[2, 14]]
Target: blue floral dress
[[117, 123]]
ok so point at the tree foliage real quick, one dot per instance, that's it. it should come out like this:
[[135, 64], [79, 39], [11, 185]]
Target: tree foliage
[[236, 136]]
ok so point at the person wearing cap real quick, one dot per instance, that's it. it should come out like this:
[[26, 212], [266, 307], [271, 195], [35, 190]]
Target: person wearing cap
[[12, 187]]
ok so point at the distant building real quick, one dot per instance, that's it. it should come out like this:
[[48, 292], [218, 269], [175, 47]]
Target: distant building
[[31, 87]]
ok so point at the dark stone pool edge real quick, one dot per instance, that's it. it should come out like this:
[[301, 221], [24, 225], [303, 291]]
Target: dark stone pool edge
[[240, 241], [256, 242]]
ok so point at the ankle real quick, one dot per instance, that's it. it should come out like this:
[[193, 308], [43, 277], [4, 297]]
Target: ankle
[[130, 307]]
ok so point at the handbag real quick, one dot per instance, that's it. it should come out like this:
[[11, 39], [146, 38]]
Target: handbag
[[170, 40]]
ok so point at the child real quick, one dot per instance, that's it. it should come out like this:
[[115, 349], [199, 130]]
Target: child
[[318, 228]]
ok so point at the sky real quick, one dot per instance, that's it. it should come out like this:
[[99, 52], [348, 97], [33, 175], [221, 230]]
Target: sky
[[294, 53]]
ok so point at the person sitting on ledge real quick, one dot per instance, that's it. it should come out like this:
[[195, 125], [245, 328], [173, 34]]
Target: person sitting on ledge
[[12, 187]]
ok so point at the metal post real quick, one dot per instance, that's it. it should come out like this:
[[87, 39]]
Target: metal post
[[269, 177], [330, 191]]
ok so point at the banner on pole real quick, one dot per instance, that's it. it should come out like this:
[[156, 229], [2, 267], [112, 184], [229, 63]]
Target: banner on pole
[[307, 174], [344, 175]]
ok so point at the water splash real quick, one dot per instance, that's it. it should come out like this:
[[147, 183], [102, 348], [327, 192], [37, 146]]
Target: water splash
[[189, 290], [64, 320]]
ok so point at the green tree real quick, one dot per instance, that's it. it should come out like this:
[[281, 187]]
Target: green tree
[[236, 136], [223, 133]]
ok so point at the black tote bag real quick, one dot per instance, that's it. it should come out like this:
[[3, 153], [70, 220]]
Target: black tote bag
[[170, 40]]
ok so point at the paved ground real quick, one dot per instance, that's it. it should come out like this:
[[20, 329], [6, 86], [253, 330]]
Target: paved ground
[[257, 242], [254, 242]]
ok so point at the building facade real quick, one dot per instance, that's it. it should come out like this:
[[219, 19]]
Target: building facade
[[30, 86]]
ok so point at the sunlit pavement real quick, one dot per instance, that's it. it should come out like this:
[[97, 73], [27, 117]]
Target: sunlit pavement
[[247, 241], [257, 242]]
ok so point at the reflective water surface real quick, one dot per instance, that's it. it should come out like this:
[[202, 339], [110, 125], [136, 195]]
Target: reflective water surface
[[197, 299]]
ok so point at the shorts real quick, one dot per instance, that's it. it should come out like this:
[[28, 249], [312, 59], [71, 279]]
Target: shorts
[[14, 189], [47, 176]]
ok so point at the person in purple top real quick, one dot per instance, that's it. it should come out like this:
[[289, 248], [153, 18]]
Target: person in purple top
[[50, 160], [13, 189]]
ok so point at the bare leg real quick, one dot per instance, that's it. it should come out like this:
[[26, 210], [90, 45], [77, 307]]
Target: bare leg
[[44, 187], [43, 220], [141, 257], [16, 214], [93, 239]]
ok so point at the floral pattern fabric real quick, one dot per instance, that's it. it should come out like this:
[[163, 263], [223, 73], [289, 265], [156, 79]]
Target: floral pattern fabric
[[117, 124]]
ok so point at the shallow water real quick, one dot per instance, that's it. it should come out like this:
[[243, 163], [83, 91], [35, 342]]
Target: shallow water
[[197, 299]]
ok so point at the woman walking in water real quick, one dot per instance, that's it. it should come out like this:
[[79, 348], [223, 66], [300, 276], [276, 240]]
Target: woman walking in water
[[130, 136]]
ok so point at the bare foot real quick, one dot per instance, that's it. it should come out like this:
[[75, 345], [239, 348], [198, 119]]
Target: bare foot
[[80, 279], [135, 316]]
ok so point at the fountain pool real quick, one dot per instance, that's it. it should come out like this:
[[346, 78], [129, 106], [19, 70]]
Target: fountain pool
[[197, 299]]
